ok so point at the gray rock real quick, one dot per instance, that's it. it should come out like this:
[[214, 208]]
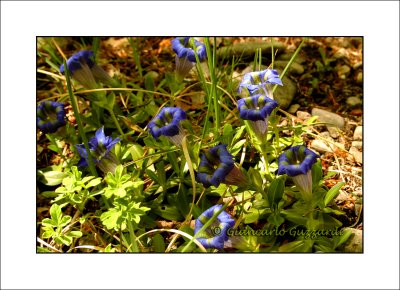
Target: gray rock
[[287, 56], [284, 94], [295, 67], [303, 115], [343, 71], [320, 146], [328, 117], [333, 132], [343, 196], [249, 48], [357, 144], [293, 108], [356, 154], [326, 135], [354, 101], [354, 243], [358, 133]]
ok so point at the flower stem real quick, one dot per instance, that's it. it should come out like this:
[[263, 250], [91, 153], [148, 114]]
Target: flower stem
[[289, 64], [134, 248], [116, 122], [79, 121], [213, 92]]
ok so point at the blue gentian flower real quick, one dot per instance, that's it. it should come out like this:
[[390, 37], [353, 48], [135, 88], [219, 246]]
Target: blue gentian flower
[[168, 123], [217, 166], [297, 162], [257, 110], [224, 221], [185, 57], [100, 149], [259, 82], [50, 116], [84, 69]]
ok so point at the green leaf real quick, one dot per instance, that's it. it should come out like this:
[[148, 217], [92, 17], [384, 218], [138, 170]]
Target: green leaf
[[158, 243], [333, 192], [237, 147], [316, 172], [93, 183], [49, 194], [276, 219], [137, 152], [296, 246], [65, 220], [63, 240], [51, 178], [153, 176], [75, 234], [168, 212], [334, 211], [110, 218], [275, 191], [55, 213], [49, 232], [48, 223], [255, 179], [341, 239]]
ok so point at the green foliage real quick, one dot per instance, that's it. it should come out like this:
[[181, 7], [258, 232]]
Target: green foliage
[[53, 227], [76, 190]]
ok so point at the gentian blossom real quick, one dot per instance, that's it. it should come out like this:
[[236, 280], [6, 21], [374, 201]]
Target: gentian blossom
[[256, 110], [217, 166], [100, 150], [84, 69], [50, 116], [297, 162], [185, 55], [168, 124], [224, 221], [259, 82]]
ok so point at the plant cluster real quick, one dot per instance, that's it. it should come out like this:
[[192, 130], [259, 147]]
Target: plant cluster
[[155, 176]]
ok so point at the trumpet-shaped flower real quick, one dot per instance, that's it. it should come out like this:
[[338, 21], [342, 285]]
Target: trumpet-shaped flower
[[256, 110], [100, 150], [297, 162], [50, 116], [217, 166], [259, 82], [212, 238], [168, 124], [84, 69], [185, 55]]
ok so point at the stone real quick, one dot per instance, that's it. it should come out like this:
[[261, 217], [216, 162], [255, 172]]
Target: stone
[[357, 144], [295, 67], [328, 117], [342, 196], [320, 146], [303, 115], [287, 56], [355, 243], [343, 71], [293, 108], [359, 78], [356, 154], [358, 133], [245, 49], [353, 101], [333, 132], [284, 95]]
